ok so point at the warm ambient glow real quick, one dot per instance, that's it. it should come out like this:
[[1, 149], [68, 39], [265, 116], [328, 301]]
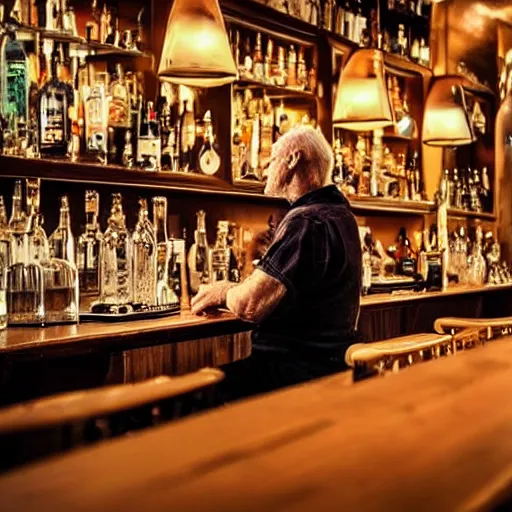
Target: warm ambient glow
[[446, 121], [362, 101], [196, 49]]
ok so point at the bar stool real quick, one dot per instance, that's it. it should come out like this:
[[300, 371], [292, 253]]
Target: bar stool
[[384, 357], [35, 429], [494, 327]]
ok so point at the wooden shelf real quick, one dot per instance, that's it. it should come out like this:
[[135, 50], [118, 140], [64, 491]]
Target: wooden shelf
[[394, 206], [275, 91], [62, 170], [453, 212]]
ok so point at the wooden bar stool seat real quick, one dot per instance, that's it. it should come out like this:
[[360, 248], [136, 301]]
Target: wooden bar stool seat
[[493, 327], [382, 357], [57, 423]]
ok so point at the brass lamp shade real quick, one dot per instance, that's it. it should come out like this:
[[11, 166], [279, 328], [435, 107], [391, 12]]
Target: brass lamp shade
[[362, 100], [196, 50], [446, 121]]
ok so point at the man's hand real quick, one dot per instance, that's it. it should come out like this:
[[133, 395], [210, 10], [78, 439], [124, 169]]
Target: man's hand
[[210, 296]]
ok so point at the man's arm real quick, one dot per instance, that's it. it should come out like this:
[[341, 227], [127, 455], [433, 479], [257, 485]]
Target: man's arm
[[252, 300]]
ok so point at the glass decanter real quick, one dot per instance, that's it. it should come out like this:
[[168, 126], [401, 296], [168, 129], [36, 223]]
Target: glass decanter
[[116, 258], [88, 246], [144, 258], [25, 276]]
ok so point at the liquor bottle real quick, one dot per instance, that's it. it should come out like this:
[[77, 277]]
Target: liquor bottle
[[234, 268], [457, 191], [96, 123], [266, 127], [88, 246], [402, 41], [424, 53], [105, 18], [149, 143], [55, 97], [116, 258], [254, 154], [406, 265], [478, 266], [302, 72], [349, 21], [221, 253], [62, 243], [164, 292], [17, 225], [329, 15], [5, 261], [144, 258], [208, 159], [39, 248], [360, 23], [258, 65], [485, 190], [291, 79], [279, 74], [247, 66], [119, 101], [199, 256], [268, 61], [235, 48], [187, 137]]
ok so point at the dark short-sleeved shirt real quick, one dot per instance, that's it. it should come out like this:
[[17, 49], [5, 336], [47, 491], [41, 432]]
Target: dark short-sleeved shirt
[[316, 255]]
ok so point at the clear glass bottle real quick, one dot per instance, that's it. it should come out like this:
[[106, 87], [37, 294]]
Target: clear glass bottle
[[116, 258], [39, 248], [187, 137], [5, 258], [62, 243], [88, 246], [96, 123], [17, 224], [149, 142], [221, 253], [208, 158], [164, 292], [199, 255], [144, 258]]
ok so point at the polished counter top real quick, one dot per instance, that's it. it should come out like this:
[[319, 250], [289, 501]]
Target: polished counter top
[[90, 336], [119, 335], [432, 437]]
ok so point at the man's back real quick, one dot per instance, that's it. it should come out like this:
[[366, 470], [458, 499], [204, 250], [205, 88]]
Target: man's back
[[316, 255]]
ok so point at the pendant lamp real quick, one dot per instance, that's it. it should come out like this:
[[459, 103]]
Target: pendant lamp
[[446, 121], [196, 50], [362, 100]]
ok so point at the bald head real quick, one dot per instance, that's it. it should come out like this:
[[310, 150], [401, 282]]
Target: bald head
[[301, 159]]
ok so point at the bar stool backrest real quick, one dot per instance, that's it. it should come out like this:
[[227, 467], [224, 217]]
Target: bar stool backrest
[[57, 423]]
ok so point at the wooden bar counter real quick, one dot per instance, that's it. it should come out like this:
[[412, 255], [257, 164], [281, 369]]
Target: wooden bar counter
[[433, 437], [39, 361]]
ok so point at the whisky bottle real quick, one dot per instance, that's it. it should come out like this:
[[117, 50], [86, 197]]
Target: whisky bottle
[[116, 258], [119, 101], [199, 258], [88, 246], [144, 258], [55, 97], [62, 243], [164, 292], [96, 123], [258, 65], [208, 159], [221, 253]]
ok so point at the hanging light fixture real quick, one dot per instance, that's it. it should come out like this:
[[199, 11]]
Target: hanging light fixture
[[362, 100], [196, 50], [446, 121]]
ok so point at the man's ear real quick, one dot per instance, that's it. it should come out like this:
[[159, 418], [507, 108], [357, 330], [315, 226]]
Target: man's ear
[[291, 162]]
